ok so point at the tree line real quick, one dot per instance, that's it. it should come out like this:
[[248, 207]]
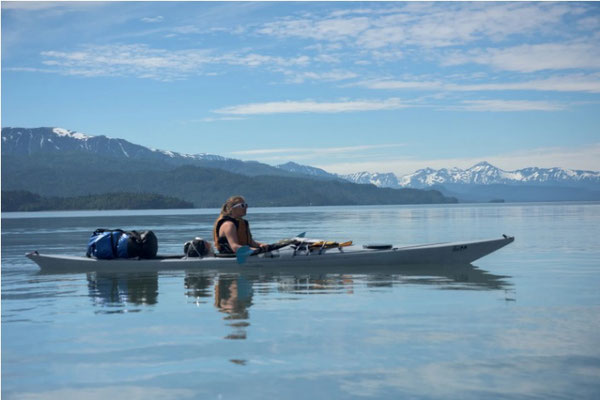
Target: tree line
[[22, 200]]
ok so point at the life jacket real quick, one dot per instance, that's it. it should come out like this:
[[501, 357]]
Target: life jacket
[[243, 233]]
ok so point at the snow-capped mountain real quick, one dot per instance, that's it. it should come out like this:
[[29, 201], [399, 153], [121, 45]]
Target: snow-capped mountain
[[484, 173], [378, 179], [25, 141], [481, 181]]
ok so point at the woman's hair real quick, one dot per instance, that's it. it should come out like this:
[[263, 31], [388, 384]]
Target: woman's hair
[[228, 206], [226, 211]]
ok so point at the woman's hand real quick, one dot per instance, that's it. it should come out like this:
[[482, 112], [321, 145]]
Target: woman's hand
[[260, 248]]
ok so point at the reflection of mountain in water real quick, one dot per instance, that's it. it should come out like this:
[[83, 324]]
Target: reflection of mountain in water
[[119, 291]]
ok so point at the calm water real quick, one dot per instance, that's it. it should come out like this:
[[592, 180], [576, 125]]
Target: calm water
[[521, 323]]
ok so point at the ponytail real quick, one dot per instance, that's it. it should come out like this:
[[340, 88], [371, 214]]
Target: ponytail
[[226, 211]]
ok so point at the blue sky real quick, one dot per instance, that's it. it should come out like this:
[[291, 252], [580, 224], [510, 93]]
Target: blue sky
[[345, 86]]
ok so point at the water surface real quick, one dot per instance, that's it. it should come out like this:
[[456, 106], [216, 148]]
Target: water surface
[[521, 323]]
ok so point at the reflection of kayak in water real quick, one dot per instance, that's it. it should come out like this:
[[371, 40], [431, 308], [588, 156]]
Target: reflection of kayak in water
[[290, 256]]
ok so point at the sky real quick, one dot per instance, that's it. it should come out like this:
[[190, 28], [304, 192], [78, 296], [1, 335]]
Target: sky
[[344, 86]]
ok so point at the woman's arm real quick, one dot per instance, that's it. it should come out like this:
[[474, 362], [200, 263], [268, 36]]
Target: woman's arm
[[230, 232]]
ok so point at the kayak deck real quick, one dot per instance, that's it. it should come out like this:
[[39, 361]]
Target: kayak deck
[[438, 253]]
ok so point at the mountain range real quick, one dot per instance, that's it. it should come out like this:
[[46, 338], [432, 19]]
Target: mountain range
[[484, 182], [481, 182], [54, 162], [484, 173], [31, 141]]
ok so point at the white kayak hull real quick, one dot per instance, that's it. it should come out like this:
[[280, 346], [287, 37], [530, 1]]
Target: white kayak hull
[[439, 253]]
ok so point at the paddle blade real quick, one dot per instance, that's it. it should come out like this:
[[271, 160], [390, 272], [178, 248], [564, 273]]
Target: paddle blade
[[242, 254]]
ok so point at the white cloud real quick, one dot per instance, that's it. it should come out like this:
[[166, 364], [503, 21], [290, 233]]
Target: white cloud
[[124, 60], [143, 61], [585, 83], [507, 105], [255, 60], [212, 119], [34, 6], [316, 155], [288, 107], [28, 69], [316, 150], [366, 36], [389, 84], [532, 58], [589, 24], [151, 20], [331, 29], [570, 83], [427, 25], [309, 106], [330, 76], [186, 29]]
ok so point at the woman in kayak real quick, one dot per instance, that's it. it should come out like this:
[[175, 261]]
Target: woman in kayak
[[231, 231]]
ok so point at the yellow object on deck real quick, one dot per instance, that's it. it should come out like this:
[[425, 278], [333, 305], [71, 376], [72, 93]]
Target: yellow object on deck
[[330, 244]]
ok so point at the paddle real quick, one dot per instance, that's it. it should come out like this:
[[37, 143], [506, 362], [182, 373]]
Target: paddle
[[243, 252]]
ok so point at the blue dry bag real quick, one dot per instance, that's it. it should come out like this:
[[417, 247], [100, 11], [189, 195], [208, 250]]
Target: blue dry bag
[[103, 243], [116, 243]]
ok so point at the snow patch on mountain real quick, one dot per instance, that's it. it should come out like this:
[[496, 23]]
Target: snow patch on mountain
[[29, 141], [378, 179], [199, 156], [482, 173], [76, 135]]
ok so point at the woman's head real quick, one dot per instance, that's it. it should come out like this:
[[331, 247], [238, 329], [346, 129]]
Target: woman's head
[[235, 206]]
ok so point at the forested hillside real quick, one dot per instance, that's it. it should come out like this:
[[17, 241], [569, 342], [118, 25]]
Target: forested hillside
[[21, 200], [72, 175]]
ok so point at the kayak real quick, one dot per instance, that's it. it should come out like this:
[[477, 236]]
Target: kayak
[[346, 257]]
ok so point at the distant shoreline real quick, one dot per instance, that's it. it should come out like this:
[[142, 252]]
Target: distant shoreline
[[25, 201], [214, 211]]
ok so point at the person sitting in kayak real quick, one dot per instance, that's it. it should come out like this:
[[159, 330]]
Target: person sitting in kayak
[[231, 231]]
